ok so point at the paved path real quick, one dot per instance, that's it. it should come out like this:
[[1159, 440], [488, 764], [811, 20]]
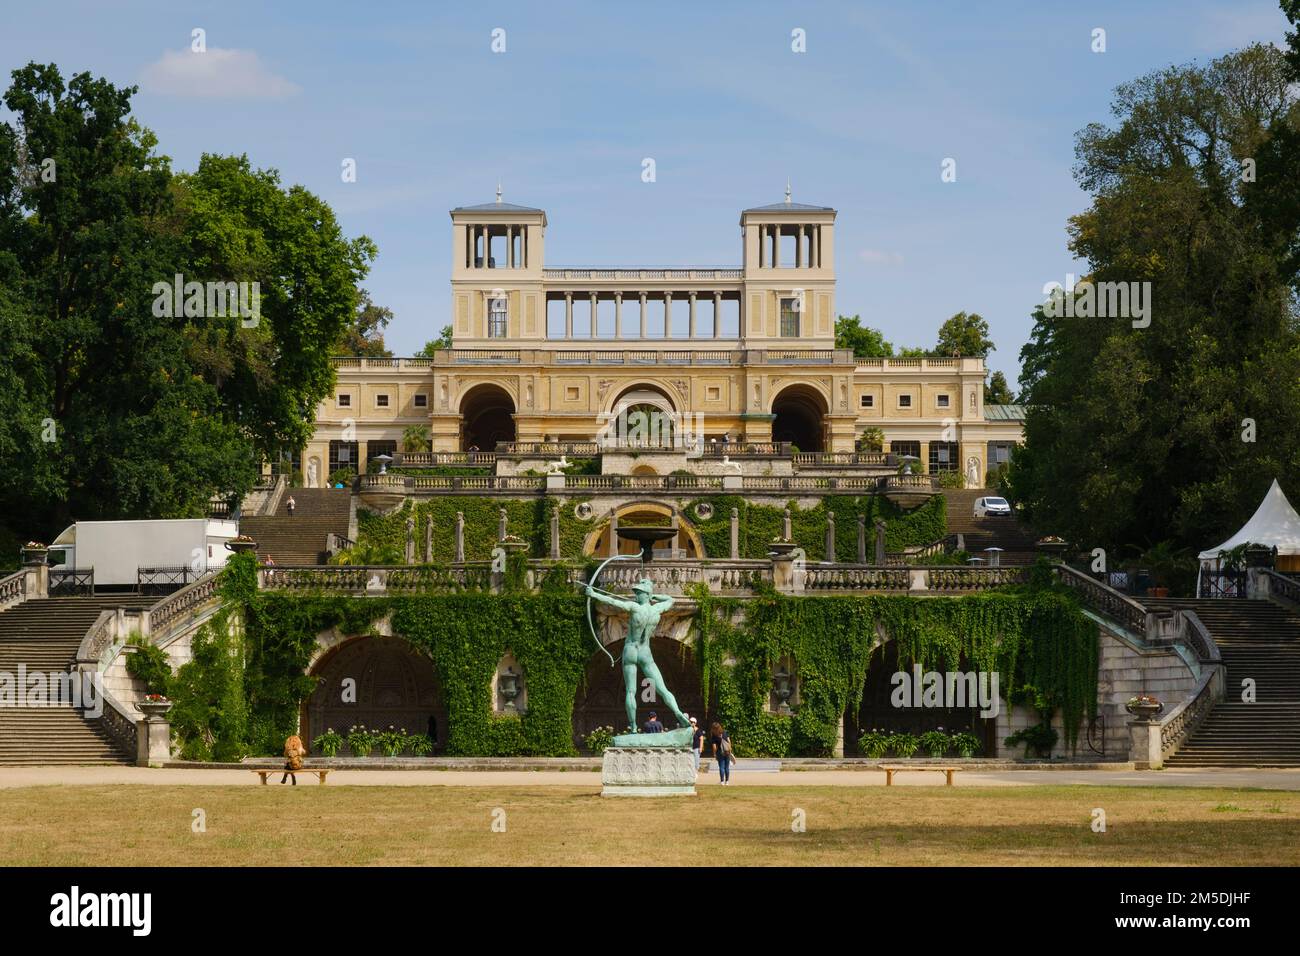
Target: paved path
[[11, 777]]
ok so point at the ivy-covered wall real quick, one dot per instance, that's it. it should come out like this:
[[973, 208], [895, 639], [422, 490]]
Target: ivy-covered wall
[[758, 525], [1033, 637]]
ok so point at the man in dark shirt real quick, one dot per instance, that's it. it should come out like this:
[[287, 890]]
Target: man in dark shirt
[[697, 741], [652, 726]]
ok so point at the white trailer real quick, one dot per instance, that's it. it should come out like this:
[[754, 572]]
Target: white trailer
[[117, 550]]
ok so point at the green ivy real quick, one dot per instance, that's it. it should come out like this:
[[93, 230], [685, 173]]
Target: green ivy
[[243, 691]]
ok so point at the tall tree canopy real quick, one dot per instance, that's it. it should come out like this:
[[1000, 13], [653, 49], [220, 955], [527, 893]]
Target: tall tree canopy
[[997, 391], [964, 334], [124, 404], [364, 336], [865, 341], [1170, 426]]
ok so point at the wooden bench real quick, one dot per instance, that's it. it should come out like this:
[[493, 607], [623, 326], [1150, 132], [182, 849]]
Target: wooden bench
[[890, 771], [265, 772]]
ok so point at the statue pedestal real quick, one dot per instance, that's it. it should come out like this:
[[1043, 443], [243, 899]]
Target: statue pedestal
[[648, 772]]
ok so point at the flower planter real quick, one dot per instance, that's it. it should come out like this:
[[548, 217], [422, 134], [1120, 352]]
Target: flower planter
[[240, 547], [154, 708], [782, 548], [34, 554], [1144, 708]]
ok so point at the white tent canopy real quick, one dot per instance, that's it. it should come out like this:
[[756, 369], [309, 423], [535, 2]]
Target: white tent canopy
[[1274, 523]]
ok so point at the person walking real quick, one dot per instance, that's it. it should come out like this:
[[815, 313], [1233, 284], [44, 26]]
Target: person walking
[[294, 751], [653, 726], [290, 505], [697, 741], [720, 740]]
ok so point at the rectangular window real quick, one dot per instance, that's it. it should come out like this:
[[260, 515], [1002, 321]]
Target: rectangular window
[[345, 400], [381, 447], [904, 401], [421, 401], [867, 401], [381, 401], [789, 318], [343, 454], [912, 448], [943, 456], [571, 394], [714, 393], [497, 313], [943, 401]]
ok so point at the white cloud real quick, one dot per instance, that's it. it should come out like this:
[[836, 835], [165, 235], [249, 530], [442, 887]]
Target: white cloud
[[874, 257], [215, 73]]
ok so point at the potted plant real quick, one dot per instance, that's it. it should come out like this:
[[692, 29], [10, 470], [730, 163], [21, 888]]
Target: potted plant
[[874, 744], [360, 740], [512, 543], [782, 546], [1051, 544], [420, 745], [934, 742], [903, 745], [391, 741], [966, 745], [240, 544], [154, 705], [1144, 706], [34, 553], [329, 743]]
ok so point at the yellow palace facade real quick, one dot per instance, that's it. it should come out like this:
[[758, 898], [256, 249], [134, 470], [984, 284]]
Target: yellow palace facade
[[547, 354]]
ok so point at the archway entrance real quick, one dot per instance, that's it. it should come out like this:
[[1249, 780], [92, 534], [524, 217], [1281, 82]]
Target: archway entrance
[[689, 545], [800, 418], [487, 416], [600, 697], [395, 685], [876, 710]]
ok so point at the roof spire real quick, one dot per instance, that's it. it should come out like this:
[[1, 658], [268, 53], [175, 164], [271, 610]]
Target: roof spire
[[499, 191], [787, 190]]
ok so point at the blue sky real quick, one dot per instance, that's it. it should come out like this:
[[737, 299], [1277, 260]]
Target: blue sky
[[713, 92]]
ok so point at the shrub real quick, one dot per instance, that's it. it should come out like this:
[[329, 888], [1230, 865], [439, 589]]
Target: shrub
[[150, 665], [966, 745], [391, 741], [599, 739], [1040, 737]]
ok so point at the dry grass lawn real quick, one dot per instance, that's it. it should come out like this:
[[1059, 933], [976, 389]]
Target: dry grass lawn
[[382, 826]]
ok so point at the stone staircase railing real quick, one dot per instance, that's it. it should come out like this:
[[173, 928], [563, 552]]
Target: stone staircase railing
[[741, 577], [13, 589], [1104, 599]]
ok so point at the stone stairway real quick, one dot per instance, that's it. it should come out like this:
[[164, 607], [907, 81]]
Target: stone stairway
[[1015, 540], [44, 634], [300, 538], [1258, 640]]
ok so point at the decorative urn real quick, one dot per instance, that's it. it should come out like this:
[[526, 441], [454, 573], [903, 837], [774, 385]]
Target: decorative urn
[[241, 544], [154, 705], [1144, 707]]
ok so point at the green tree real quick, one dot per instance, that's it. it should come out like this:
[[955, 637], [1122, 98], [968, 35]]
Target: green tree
[[997, 391], [866, 342], [364, 335], [964, 334], [124, 405], [443, 341], [1170, 432], [415, 438]]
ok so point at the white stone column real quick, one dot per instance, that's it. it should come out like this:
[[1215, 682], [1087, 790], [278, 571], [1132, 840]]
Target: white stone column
[[691, 334], [594, 302], [618, 315], [643, 316], [798, 250], [776, 247], [668, 315], [510, 246], [717, 314], [568, 315]]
